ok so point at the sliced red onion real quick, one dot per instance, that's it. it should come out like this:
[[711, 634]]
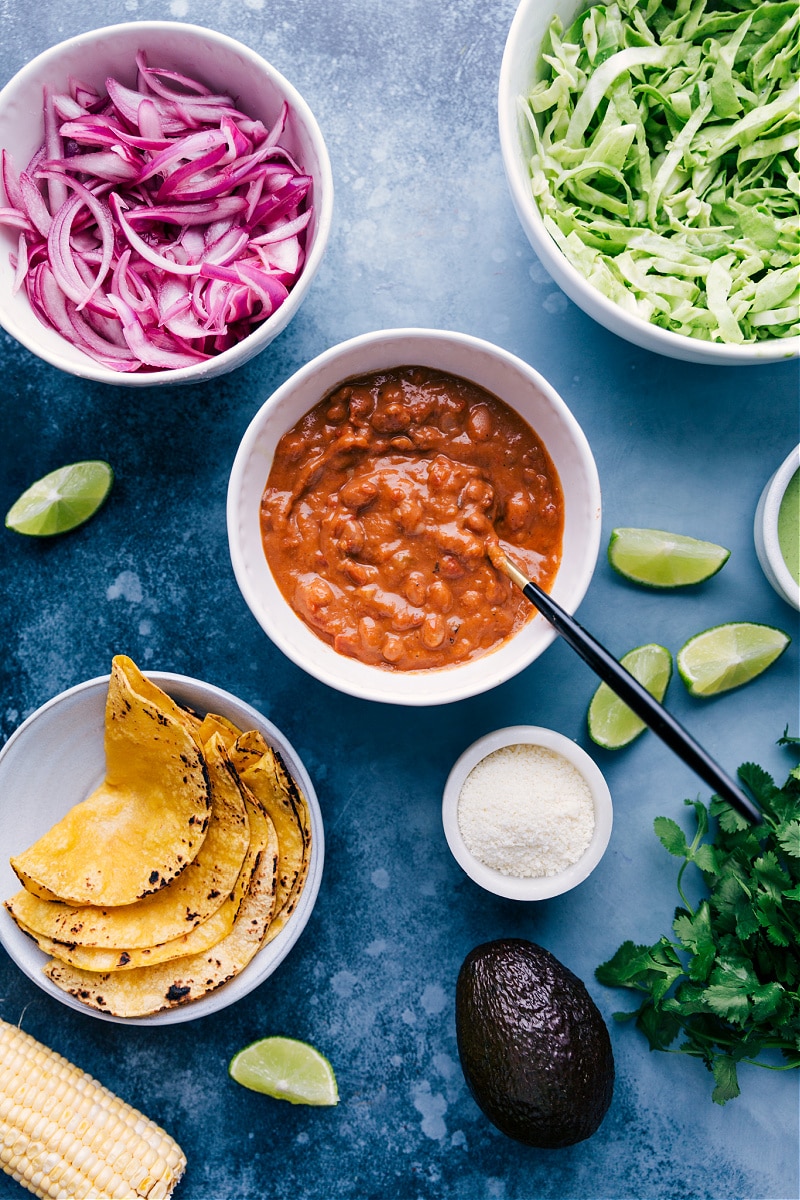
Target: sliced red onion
[[83, 93], [56, 190], [148, 349], [10, 179], [110, 165], [158, 225], [66, 108], [21, 265], [289, 229], [153, 76], [62, 254], [17, 220], [33, 205]]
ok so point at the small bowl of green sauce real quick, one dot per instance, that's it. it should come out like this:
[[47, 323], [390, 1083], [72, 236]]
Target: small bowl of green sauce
[[777, 529]]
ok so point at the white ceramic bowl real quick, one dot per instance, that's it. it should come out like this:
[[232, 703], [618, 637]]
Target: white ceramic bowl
[[765, 531], [56, 758], [500, 373], [224, 65], [544, 887], [521, 67]]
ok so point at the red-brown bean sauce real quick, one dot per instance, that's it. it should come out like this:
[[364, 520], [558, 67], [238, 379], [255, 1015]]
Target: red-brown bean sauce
[[379, 507]]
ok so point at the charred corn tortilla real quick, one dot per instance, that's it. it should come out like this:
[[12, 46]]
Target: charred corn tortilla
[[213, 723], [261, 770], [199, 939], [147, 990], [148, 690], [203, 926], [185, 903], [142, 826]]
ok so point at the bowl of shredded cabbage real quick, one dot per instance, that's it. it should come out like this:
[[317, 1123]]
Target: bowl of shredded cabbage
[[651, 154], [165, 202]]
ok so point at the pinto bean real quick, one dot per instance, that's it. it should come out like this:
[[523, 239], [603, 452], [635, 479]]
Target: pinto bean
[[351, 537], [393, 418], [477, 521], [358, 493], [415, 588], [408, 515], [313, 594], [392, 648], [519, 510], [440, 596], [479, 423], [369, 632], [433, 631]]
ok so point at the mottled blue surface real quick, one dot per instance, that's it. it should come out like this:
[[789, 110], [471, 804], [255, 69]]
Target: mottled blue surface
[[424, 234]]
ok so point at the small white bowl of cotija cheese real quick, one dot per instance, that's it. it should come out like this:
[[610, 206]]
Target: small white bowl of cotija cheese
[[526, 813]]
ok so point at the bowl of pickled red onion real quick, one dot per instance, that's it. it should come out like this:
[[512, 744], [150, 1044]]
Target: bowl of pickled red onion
[[166, 203]]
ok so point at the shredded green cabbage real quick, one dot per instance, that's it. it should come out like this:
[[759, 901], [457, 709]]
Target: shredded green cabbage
[[666, 140]]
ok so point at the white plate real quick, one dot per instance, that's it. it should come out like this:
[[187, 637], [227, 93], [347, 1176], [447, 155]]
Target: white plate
[[56, 758]]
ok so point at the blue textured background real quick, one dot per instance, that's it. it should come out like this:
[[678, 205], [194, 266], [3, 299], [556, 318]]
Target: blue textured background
[[424, 234]]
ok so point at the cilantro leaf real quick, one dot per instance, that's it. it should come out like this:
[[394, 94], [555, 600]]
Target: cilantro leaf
[[694, 932], [727, 1084], [729, 1001], [628, 963], [789, 838], [760, 783], [728, 979], [671, 836], [767, 1000], [659, 1028]]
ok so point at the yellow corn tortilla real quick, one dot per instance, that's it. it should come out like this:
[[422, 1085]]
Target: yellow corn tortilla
[[150, 989], [202, 937], [142, 826], [261, 770], [185, 903], [213, 723], [148, 690]]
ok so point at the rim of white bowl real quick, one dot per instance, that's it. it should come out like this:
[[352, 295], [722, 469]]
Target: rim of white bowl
[[196, 693], [588, 298], [408, 688], [768, 548], [511, 887], [269, 329]]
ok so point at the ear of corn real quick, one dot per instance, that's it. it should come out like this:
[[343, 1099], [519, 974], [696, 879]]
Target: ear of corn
[[66, 1137]]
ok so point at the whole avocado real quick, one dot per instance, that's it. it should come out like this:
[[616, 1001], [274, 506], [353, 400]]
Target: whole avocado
[[533, 1045]]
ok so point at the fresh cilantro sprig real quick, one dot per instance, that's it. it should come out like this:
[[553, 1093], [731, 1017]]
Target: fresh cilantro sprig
[[728, 980]]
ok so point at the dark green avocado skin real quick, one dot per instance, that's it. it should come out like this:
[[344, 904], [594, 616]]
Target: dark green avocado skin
[[533, 1045]]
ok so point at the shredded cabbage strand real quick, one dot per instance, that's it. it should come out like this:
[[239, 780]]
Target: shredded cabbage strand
[[666, 138]]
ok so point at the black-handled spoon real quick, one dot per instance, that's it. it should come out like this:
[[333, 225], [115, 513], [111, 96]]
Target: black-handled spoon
[[629, 690]]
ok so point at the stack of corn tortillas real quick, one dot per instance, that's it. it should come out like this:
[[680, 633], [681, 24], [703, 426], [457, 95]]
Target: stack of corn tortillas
[[165, 882]]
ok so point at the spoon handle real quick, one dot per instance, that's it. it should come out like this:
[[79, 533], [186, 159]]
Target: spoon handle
[[635, 695]]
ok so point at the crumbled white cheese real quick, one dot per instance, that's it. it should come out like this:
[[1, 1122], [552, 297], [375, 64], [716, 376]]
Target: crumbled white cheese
[[526, 812]]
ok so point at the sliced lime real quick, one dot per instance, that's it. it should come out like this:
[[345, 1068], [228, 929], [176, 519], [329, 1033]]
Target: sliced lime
[[611, 723], [61, 500], [286, 1069], [664, 560], [726, 656]]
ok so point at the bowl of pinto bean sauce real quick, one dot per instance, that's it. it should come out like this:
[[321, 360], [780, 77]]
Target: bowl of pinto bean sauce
[[365, 496]]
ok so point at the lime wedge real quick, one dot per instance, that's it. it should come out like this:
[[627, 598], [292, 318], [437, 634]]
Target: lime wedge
[[286, 1069], [726, 656], [611, 723], [664, 560], [61, 500]]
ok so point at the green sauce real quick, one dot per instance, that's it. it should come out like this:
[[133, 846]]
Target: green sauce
[[789, 526]]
